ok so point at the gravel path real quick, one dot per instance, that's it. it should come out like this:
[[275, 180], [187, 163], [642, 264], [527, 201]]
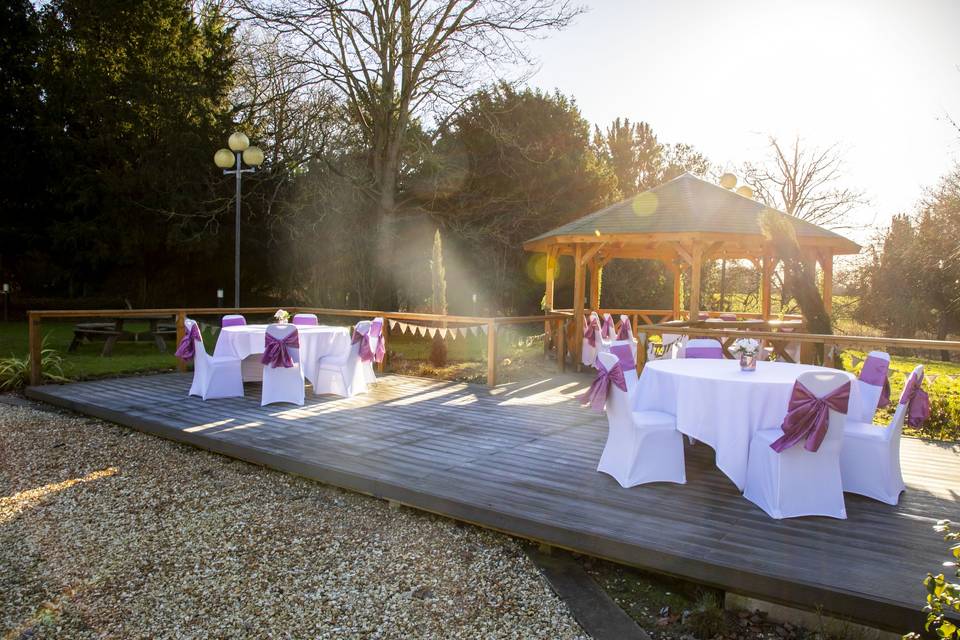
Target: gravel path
[[110, 533]]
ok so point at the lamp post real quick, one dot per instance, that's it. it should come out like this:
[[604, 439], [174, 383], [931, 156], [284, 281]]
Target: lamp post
[[240, 152]]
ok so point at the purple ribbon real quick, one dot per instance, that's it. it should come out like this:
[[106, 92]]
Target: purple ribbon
[[366, 353], [917, 401], [874, 372], [590, 331], [607, 329], [596, 395], [305, 320], [706, 353], [728, 317], [235, 321], [808, 416], [187, 349], [276, 351], [623, 333], [624, 355]]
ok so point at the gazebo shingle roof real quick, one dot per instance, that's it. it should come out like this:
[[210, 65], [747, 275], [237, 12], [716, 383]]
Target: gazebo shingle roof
[[686, 204]]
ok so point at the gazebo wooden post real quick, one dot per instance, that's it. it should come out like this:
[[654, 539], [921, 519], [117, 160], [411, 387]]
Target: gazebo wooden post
[[695, 267], [548, 278], [577, 304], [677, 286], [766, 275], [826, 263], [550, 270], [595, 284]]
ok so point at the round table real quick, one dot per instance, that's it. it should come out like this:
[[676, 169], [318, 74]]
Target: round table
[[315, 342], [717, 403]]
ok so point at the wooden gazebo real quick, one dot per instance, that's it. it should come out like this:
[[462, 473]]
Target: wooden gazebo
[[682, 223]]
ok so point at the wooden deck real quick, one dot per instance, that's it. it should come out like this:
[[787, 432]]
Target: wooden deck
[[521, 458]]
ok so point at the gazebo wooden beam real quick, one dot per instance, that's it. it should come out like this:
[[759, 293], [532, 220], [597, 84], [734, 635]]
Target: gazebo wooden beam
[[588, 256], [549, 279], [697, 260], [826, 263]]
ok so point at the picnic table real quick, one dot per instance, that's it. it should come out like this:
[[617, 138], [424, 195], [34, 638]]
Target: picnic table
[[112, 330]]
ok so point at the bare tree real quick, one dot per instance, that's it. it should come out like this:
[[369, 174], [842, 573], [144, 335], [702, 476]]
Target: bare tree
[[394, 61], [804, 182]]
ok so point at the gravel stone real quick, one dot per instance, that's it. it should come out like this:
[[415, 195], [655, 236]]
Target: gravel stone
[[106, 532]]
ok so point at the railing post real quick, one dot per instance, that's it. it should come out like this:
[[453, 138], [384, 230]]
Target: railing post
[[492, 353], [181, 331], [561, 332], [35, 345]]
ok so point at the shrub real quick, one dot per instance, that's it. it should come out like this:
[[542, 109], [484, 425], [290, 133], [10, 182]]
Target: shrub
[[15, 372], [943, 597]]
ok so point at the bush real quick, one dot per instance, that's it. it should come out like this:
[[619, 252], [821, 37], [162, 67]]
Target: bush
[[15, 372], [943, 597]]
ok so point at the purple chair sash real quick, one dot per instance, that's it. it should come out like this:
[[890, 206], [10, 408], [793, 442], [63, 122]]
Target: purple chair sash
[[366, 353], [237, 321], [590, 332], [623, 333], [376, 331], [607, 328], [917, 401], [728, 317], [809, 416], [305, 321], [187, 348], [276, 351], [874, 372], [715, 353], [596, 395], [624, 355]]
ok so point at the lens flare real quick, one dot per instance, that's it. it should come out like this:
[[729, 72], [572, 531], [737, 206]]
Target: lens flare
[[645, 203], [537, 267]]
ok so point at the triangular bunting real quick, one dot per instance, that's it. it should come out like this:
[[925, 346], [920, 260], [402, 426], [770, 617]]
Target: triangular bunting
[[484, 328], [932, 377]]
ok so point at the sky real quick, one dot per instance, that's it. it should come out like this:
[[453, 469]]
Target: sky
[[879, 78]]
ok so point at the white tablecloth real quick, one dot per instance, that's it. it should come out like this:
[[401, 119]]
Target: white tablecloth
[[315, 343], [717, 403]]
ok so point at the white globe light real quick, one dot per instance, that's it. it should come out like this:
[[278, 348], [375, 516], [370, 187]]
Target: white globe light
[[745, 191], [238, 141], [224, 158], [728, 181], [253, 156]]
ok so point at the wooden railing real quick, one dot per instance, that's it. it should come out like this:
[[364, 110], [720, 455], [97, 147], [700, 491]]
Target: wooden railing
[[554, 321], [832, 344]]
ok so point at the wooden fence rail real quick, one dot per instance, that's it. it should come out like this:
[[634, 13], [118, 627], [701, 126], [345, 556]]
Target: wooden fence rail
[[554, 322], [726, 331]]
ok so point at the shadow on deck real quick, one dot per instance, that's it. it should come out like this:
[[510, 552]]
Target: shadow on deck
[[521, 458]]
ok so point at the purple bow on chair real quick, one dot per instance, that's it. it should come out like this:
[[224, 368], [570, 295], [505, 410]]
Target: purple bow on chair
[[596, 395], [366, 353], [607, 327], [917, 401], [808, 416], [276, 352], [590, 332], [187, 348], [874, 372], [623, 333]]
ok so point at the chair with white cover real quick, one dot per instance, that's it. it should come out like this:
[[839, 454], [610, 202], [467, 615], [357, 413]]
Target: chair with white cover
[[592, 340], [874, 386], [213, 376], [375, 350], [282, 373], [870, 459], [608, 329], [306, 320], [341, 374], [233, 320], [795, 470], [642, 446], [705, 348]]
